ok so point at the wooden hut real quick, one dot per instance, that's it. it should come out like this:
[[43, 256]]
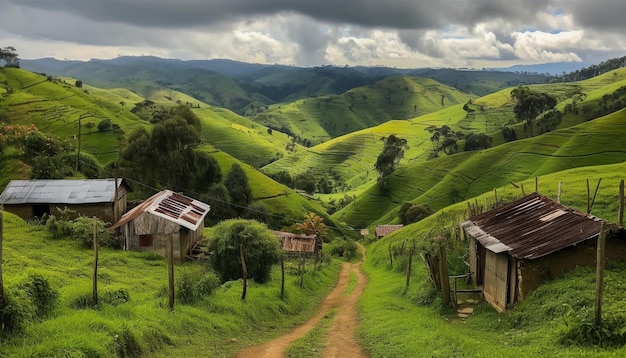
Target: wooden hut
[[515, 247], [163, 217], [296, 243], [89, 197], [384, 230]]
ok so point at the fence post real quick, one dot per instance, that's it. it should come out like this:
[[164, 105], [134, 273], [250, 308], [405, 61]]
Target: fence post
[[1, 280], [95, 262], [558, 198], [621, 203], [600, 275], [170, 270]]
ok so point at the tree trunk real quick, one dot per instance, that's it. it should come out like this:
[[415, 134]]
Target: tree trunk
[[244, 269]]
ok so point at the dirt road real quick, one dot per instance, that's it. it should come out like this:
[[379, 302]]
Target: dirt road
[[341, 340]]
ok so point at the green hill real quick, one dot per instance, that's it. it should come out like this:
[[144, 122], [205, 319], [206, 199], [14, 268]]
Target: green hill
[[319, 119]]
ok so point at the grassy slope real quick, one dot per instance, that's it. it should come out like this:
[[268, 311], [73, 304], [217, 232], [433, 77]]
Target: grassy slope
[[319, 119], [399, 324], [449, 179], [191, 330], [54, 107]]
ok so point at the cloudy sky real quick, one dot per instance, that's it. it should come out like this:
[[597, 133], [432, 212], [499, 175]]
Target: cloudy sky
[[400, 33]]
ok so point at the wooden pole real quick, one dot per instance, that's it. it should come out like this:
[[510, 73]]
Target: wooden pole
[[443, 276], [282, 275], [390, 257], [1, 280], [522, 186], [245, 272], [95, 262], [588, 198], [558, 199], [600, 275], [408, 270], [620, 215], [536, 185], [78, 151], [170, 270], [495, 194], [116, 211], [595, 193]]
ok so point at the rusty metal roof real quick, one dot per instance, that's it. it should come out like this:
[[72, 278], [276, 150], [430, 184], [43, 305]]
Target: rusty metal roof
[[171, 206], [384, 230], [532, 227], [60, 191]]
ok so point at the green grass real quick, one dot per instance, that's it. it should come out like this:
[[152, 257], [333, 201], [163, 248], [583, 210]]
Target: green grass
[[205, 328], [314, 342], [396, 323], [323, 118]]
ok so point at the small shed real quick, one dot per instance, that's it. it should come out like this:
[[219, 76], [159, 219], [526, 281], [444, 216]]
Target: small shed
[[515, 247], [384, 230], [163, 217], [89, 197], [296, 243]]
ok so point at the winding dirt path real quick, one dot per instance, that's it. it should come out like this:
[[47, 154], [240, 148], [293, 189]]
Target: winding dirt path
[[341, 340]]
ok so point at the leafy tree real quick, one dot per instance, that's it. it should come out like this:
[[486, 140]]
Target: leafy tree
[[104, 125], [411, 213], [312, 225], [450, 145], [389, 158], [477, 142], [305, 181], [529, 105], [218, 198], [251, 239], [237, 185], [10, 57], [172, 142], [78, 84], [509, 134]]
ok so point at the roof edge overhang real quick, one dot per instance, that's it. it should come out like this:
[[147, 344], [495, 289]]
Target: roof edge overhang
[[489, 242]]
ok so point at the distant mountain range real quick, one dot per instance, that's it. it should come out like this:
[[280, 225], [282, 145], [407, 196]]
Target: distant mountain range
[[555, 68]]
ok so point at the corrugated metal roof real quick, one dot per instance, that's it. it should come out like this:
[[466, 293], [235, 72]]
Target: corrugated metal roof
[[384, 230], [532, 227], [60, 191], [171, 206]]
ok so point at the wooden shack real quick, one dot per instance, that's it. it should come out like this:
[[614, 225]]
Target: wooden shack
[[89, 197], [296, 243], [384, 230], [164, 217], [516, 247]]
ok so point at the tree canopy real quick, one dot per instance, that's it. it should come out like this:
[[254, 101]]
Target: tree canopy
[[260, 247], [389, 158], [529, 105], [9, 56]]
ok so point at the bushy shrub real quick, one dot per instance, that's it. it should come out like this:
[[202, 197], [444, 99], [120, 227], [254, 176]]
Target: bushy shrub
[[104, 125], [41, 294], [342, 247], [193, 285], [14, 312], [260, 247]]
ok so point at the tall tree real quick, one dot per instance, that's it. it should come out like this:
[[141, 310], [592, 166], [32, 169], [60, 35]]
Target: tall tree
[[237, 185], [529, 105], [9, 56], [389, 158]]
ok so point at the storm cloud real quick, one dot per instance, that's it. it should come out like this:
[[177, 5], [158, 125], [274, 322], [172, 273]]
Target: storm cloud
[[405, 33]]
